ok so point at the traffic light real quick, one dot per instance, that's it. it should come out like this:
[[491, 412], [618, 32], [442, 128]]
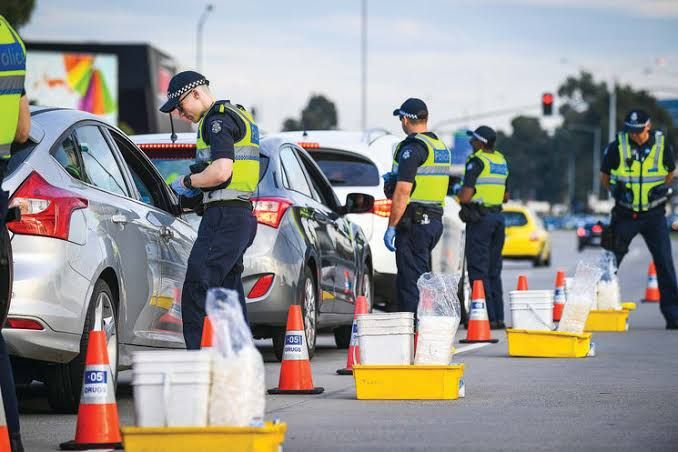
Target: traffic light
[[547, 104]]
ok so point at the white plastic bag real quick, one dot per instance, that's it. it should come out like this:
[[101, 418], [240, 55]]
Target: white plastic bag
[[237, 395], [608, 292], [438, 316], [580, 298]]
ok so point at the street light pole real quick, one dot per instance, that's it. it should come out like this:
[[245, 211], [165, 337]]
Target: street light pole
[[198, 41], [363, 61], [612, 111], [595, 184]]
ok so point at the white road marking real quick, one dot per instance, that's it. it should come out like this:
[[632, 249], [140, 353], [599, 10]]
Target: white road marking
[[468, 348]]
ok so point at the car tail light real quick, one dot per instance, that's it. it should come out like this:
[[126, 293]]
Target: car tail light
[[270, 211], [45, 210], [261, 287], [309, 145], [168, 151], [581, 232], [382, 208], [597, 228], [23, 324]]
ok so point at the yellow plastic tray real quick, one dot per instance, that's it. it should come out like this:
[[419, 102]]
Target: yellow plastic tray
[[629, 305], [407, 382], [547, 344], [268, 438], [607, 321]]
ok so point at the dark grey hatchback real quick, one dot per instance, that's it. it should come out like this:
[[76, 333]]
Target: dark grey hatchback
[[306, 251]]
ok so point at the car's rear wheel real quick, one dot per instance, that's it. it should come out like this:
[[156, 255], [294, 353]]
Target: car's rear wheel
[[308, 300], [6, 273], [64, 381]]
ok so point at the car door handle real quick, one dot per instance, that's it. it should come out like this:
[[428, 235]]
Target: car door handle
[[166, 233], [119, 219]]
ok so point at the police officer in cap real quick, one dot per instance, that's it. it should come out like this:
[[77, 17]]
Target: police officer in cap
[[482, 194], [227, 174], [638, 168], [15, 124], [420, 172]]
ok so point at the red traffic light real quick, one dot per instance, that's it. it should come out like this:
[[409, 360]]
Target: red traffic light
[[547, 104], [547, 98]]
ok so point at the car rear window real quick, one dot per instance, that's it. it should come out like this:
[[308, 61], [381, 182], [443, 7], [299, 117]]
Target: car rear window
[[512, 219], [344, 169]]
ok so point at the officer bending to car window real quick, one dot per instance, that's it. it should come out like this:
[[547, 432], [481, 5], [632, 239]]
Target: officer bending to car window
[[225, 175]]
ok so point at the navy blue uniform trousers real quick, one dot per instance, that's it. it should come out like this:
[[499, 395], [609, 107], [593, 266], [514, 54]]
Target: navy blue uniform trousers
[[6, 376], [414, 243], [652, 226], [484, 242], [216, 260]]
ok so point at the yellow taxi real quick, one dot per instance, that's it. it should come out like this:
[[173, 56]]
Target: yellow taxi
[[526, 237]]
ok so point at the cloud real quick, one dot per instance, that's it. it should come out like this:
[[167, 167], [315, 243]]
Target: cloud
[[648, 8]]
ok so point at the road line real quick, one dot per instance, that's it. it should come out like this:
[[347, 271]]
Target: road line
[[468, 348]]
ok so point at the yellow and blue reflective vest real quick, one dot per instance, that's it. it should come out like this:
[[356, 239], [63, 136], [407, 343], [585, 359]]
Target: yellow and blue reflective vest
[[12, 76], [245, 176], [432, 178], [491, 183], [640, 177]]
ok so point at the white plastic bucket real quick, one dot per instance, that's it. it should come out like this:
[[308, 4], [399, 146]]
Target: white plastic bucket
[[531, 309], [386, 338], [171, 388], [434, 343]]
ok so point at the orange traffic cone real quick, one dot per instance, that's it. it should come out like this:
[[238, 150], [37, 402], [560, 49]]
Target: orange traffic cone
[[559, 296], [4, 432], [295, 371], [522, 282], [478, 323], [354, 349], [207, 339], [98, 425], [652, 291]]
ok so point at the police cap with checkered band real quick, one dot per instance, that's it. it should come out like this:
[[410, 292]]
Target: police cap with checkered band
[[182, 83], [412, 108]]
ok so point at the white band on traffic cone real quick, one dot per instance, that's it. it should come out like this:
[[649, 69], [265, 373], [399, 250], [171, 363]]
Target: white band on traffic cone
[[478, 309], [295, 346], [652, 282], [559, 296], [97, 385], [354, 334]]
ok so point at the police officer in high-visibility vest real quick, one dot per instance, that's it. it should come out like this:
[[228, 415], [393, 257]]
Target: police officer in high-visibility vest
[[15, 123], [421, 165], [227, 174], [482, 194], [638, 168]]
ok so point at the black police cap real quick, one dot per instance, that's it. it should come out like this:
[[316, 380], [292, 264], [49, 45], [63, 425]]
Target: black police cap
[[412, 108], [484, 134], [636, 120], [180, 84]]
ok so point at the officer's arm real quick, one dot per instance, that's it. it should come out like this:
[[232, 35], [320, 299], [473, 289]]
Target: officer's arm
[[401, 196], [670, 177], [218, 172], [605, 180], [466, 194], [473, 169], [24, 125]]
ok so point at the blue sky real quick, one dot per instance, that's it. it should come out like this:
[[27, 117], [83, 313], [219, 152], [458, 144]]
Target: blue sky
[[462, 57]]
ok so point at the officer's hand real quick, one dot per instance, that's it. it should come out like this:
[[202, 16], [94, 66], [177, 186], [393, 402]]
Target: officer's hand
[[178, 185], [389, 238]]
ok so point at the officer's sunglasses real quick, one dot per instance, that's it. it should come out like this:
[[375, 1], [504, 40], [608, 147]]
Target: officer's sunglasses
[[181, 100]]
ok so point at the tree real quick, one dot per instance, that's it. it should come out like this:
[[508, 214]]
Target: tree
[[319, 114], [17, 12]]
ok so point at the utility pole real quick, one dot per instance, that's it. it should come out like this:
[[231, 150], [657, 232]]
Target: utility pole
[[363, 58], [612, 111], [198, 41], [595, 181]]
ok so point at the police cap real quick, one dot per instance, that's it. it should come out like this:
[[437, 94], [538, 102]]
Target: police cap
[[180, 84], [412, 108], [484, 134], [636, 120]]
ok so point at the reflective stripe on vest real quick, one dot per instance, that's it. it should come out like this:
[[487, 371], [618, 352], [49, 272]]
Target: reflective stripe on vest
[[245, 175], [432, 178], [491, 183], [640, 176], [12, 77]]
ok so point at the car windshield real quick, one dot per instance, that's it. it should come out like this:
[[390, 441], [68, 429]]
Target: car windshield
[[346, 169], [513, 219]]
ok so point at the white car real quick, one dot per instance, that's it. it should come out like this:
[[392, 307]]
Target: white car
[[355, 162]]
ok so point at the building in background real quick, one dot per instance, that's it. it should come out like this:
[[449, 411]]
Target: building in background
[[671, 105], [124, 84]]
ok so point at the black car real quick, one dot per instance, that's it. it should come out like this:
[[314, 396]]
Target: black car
[[589, 234], [306, 250]]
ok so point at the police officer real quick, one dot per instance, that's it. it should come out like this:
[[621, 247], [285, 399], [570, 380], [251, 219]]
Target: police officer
[[637, 168], [15, 123], [482, 194], [227, 173], [421, 165]]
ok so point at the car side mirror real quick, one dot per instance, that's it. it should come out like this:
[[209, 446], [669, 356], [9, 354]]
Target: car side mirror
[[358, 203]]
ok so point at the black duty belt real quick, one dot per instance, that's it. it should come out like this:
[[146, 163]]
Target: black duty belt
[[230, 203]]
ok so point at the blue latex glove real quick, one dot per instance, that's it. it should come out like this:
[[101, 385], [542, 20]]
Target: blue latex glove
[[178, 186], [389, 238]]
